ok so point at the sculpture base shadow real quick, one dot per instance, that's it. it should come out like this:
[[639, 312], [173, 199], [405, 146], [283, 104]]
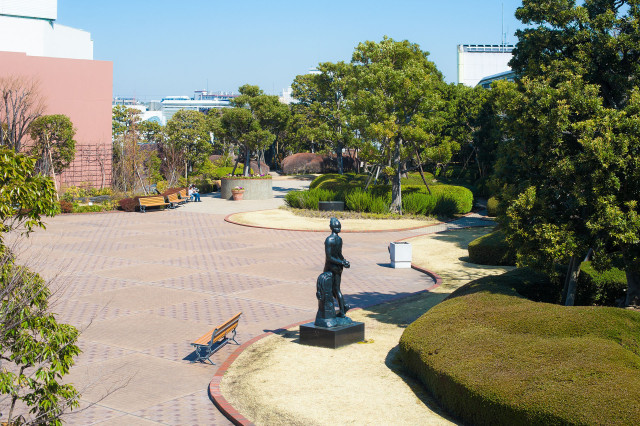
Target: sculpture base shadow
[[333, 337]]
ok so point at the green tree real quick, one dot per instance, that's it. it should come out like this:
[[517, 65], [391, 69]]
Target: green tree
[[271, 118], [35, 350], [240, 127], [398, 106], [324, 115], [570, 156], [53, 143], [151, 131], [188, 132]]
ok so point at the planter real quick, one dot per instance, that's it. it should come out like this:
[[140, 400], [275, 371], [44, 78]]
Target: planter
[[337, 206], [400, 255], [254, 189], [237, 195]]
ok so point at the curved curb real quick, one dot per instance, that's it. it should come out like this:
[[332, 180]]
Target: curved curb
[[229, 220], [215, 393]]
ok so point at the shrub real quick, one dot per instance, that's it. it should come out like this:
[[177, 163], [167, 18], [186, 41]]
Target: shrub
[[445, 200], [416, 179], [600, 288], [302, 162], [66, 206], [490, 356], [162, 186], [492, 249], [87, 208], [293, 199], [129, 204], [357, 200], [459, 195], [73, 192], [492, 207], [363, 201]]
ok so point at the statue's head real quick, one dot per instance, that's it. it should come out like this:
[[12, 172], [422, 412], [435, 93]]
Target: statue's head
[[334, 224]]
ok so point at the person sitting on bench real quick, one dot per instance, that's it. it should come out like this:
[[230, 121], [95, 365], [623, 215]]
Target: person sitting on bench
[[194, 195]]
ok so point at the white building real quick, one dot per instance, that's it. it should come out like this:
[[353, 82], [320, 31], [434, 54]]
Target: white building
[[477, 61], [30, 27]]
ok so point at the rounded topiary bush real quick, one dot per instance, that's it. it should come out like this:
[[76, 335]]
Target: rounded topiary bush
[[492, 357], [492, 249], [492, 207]]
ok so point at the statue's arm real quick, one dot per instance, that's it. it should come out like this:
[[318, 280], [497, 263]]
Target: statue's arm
[[331, 257]]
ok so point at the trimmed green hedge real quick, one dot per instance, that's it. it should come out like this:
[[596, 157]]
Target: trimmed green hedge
[[492, 249], [600, 288], [492, 357], [444, 200]]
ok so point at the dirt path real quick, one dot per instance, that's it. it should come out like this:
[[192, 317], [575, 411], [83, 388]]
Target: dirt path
[[284, 219], [279, 381]]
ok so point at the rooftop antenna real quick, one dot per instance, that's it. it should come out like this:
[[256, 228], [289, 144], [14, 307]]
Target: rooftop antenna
[[502, 27]]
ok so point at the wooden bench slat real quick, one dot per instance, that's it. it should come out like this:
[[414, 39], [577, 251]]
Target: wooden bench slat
[[209, 343], [156, 201]]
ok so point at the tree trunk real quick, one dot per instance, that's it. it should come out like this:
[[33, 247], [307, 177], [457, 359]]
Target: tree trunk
[[247, 161], [339, 158], [396, 188], [570, 281], [366, 187], [632, 271], [422, 171], [233, 172]]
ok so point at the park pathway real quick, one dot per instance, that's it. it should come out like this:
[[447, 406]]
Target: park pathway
[[141, 287]]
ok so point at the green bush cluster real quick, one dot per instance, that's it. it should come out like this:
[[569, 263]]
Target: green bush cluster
[[600, 288], [490, 356], [492, 249], [308, 199], [492, 207], [364, 201], [73, 192], [444, 200]]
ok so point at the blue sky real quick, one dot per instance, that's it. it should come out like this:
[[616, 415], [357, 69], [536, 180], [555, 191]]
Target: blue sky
[[161, 47]]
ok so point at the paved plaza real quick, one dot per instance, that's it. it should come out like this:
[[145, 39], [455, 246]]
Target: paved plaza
[[141, 287]]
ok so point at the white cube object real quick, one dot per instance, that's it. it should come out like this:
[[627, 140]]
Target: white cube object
[[400, 255]]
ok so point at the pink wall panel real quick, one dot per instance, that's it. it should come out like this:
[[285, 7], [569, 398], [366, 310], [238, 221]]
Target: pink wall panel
[[80, 89]]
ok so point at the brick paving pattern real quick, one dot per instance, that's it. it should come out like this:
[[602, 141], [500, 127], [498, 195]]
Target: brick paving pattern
[[141, 287]]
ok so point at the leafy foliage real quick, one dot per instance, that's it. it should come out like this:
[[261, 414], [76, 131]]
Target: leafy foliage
[[569, 159], [397, 106], [54, 145], [24, 196], [35, 350]]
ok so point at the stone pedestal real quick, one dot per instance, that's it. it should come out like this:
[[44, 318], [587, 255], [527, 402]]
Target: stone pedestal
[[400, 253], [333, 337]]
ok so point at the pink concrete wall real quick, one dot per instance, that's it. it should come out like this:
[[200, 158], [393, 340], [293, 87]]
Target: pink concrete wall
[[82, 90]]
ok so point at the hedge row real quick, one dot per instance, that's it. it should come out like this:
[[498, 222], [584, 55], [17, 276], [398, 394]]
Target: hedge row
[[492, 357], [602, 288], [308, 199], [492, 249], [445, 200]]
